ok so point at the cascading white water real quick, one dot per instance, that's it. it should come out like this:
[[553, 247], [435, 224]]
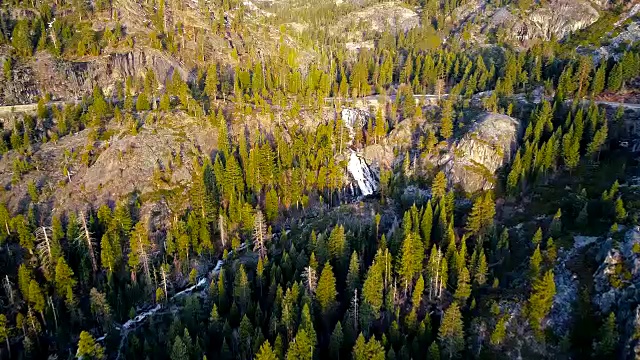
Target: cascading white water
[[365, 178], [357, 167]]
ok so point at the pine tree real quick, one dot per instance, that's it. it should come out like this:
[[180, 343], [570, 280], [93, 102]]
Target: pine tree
[[416, 298], [433, 352], [372, 290], [4, 332], [615, 80], [326, 292], [598, 141], [597, 86], [64, 277], [534, 264], [463, 290], [446, 120], [539, 305], [608, 338], [482, 214], [571, 148], [88, 348], [537, 237], [583, 216], [556, 224], [21, 38], [426, 224], [337, 242], [140, 253], [335, 343], [179, 350], [411, 257], [621, 213], [380, 126], [353, 276], [301, 348], [499, 332], [481, 270], [242, 289], [266, 353], [212, 82], [451, 332], [36, 298], [370, 350], [439, 185]]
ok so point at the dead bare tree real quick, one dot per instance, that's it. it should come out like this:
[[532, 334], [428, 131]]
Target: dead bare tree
[[223, 235], [260, 235], [8, 288], [85, 236], [43, 249], [164, 281], [310, 279], [53, 308]]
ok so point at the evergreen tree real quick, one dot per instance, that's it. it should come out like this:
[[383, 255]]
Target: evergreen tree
[[534, 264], [36, 298], [21, 38], [212, 82], [499, 332], [266, 353], [326, 292], [301, 348], [335, 343], [481, 270], [597, 86], [88, 348], [433, 352], [337, 242], [541, 299], [463, 290], [439, 185], [615, 80], [179, 350], [353, 276], [411, 257], [372, 290], [621, 213], [608, 338], [369, 350], [446, 120], [4, 332], [426, 224], [451, 332]]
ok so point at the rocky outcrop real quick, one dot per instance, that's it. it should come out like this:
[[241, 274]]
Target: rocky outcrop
[[562, 17], [472, 161], [556, 18], [617, 286], [69, 80], [391, 15]]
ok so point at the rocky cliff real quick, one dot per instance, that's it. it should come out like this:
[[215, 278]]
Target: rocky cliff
[[67, 80], [473, 160], [617, 286]]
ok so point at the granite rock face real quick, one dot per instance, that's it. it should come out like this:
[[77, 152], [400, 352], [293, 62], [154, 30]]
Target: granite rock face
[[69, 80], [473, 160], [617, 286]]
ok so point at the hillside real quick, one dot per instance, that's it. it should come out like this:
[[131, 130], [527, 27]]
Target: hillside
[[350, 179]]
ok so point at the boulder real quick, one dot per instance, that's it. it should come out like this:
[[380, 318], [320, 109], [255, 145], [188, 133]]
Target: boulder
[[473, 160]]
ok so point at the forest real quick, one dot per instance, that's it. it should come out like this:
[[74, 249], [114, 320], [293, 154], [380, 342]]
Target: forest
[[267, 252]]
